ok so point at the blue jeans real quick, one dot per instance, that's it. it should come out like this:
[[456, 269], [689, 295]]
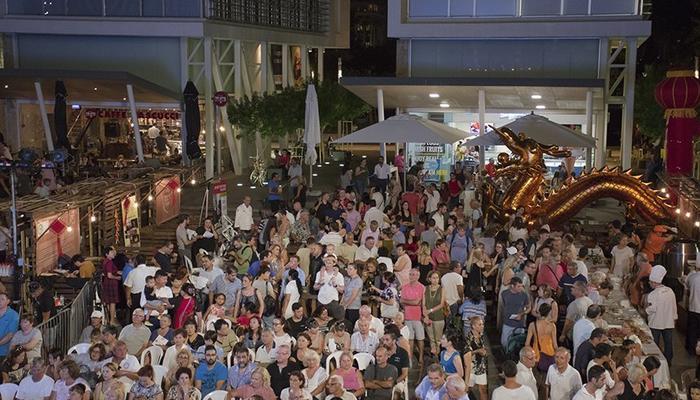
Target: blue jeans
[[667, 335]]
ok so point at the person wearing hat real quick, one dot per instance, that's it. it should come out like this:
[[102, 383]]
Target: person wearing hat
[[96, 319], [655, 241], [661, 310]]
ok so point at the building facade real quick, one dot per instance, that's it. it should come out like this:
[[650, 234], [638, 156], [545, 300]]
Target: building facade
[[237, 46]]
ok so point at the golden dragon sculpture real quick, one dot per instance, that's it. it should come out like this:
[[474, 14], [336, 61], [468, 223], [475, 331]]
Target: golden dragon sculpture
[[525, 188]]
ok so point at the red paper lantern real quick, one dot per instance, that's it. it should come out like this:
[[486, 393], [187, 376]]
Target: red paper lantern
[[680, 90]]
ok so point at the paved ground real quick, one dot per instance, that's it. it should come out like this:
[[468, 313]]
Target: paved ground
[[327, 179]]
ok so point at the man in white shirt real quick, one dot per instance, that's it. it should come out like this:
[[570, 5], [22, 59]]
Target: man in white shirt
[[439, 218], [161, 291], [563, 381], [333, 237], [36, 386], [381, 172], [243, 221], [330, 285], [525, 375], [374, 214], [511, 389], [432, 198], [593, 389], [128, 364], [693, 331], [363, 341], [375, 324], [584, 326], [453, 287], [367, 250], [294, 172], [372, 230], [136, 281], [662, 311]]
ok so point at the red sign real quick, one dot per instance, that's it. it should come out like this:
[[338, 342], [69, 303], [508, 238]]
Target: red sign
[[220, 98], [124, 113], [219, 187]]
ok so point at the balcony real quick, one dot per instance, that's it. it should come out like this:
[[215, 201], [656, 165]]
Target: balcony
[[298, 15], [430, 9]]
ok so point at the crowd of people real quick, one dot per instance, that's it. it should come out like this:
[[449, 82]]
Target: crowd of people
[[374, 291]]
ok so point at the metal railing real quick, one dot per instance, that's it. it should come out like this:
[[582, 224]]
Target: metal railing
[[63, 329]]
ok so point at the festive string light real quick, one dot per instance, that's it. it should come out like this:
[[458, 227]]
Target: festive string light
[[69, 229], [678, 211], [178, 190], [687, 215], [193, 181], [93, 218], [150, 197]]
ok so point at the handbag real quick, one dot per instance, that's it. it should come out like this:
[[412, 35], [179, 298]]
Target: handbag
[[545, 360]]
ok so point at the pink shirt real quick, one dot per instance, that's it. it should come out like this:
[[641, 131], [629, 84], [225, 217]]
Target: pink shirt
[[398, 162], [350, 381], [413, 292], [549, 275]]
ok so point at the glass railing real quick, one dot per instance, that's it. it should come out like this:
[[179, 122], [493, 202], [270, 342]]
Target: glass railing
[[523, 8], [300, 15]]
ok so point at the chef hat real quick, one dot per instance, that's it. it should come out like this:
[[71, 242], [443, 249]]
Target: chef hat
[[511, 250], [657, 274], [546, 227]]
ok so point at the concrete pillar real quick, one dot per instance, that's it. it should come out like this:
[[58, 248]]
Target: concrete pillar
[[304, 54], [320, 64], [628, 108], [44, 116], [135, 122], [482, 127], [285, 65], [209, 110], [380, 118], [589, 125], [601, 122]]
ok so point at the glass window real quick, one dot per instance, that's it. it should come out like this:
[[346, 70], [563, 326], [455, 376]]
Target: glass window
[[122, 8], [619, 7], [86, 8], [26, 7], [428, 8], [576, 7], [495, 8], [462, 8], [182, 8], [152, 8], [541, 7]]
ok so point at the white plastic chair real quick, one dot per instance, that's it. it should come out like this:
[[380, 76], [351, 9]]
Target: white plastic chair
[[159, 372], [8, 391], [197, 395], [188, 263], [156, 353], [216, 395], [363, 360], [80, 348], [335, 356], [127, 387]]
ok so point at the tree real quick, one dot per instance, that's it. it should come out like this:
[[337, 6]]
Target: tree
[[278, 114], [647, 113]]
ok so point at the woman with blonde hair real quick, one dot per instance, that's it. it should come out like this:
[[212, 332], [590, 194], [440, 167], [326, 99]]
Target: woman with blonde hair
[[183, 359], [545, 296], [424, 262], [631, 388], [478, 268], [109, 383], [259, 386]]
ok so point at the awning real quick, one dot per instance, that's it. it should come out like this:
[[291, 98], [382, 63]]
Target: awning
[[502, 94], [405, 128], [84, 86]]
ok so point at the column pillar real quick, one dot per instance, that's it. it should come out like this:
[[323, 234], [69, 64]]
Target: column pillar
[[285, 65], [380, 118], [320, 64], [628, 110], [304, 54], [135, 122], [589, 126], [482, 128], [44, 116], [209, 110], [601, 122]]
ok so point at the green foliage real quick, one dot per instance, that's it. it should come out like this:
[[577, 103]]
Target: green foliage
[[649, 116], [277, 114]]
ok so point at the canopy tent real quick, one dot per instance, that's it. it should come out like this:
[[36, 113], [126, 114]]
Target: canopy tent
[[540, 129], [405, 128]]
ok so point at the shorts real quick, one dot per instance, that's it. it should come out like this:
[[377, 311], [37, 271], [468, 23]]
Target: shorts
[[416, 329], [477, 380]]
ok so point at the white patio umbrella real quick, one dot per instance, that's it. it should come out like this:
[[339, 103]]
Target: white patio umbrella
[[541, 130], [312, 129], [405, 128]]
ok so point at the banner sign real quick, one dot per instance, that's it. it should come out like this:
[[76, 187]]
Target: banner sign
[[167, 199], [125, 113], [220, 198], [130, 216], [55, 235], [437, 158]]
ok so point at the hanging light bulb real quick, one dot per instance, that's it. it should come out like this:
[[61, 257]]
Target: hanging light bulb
[[678, 211], [193, 181], [69, 229], [93, 218], [179, 190], [688, 214], [697, 224], [150, 197]]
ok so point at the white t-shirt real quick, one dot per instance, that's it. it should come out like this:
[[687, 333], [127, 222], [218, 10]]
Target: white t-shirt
[[563, 386], [449, 282], [136, 280], [63, 391], [30, 390], [432, 201], [622, 256], [521, 393], [129, 363], [693, 284], [583, 394], [291, 289], [582, 332], [329, 282]]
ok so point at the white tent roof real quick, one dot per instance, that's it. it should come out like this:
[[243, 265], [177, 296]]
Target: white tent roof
[[405, 128]]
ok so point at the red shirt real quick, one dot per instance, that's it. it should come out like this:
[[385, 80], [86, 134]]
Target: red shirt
[[414, 201], [453, 187], [490, 169]]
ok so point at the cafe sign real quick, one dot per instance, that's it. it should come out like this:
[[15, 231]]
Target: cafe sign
[[123, 113]]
